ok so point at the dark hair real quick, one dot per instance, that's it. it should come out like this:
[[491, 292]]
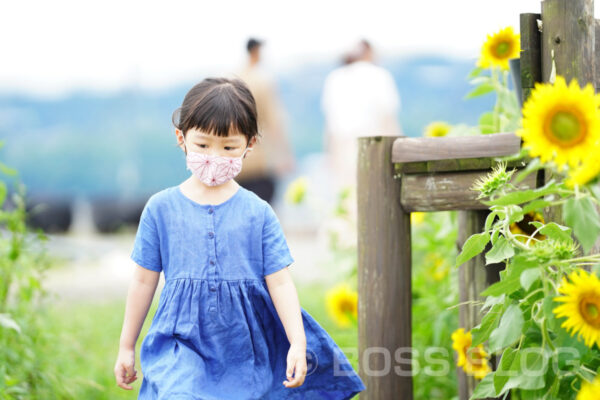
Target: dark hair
[[252, 43], [216, 106]]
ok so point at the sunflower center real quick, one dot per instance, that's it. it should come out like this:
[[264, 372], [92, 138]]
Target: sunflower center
[[589, 307], [565, 128], [346, 306], [502, 49], [475, 357]]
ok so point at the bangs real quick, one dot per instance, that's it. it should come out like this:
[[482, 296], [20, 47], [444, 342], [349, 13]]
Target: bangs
[[220, 110]]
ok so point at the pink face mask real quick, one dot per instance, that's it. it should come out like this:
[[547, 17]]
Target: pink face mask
[[214, 170]]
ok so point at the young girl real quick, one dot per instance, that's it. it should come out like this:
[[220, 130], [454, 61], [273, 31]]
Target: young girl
[[228, 324]]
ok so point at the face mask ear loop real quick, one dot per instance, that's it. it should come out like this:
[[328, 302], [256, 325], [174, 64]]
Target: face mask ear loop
[[247, 147]]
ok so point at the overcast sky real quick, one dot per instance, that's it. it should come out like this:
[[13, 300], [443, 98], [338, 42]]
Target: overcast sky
[[53, 47]]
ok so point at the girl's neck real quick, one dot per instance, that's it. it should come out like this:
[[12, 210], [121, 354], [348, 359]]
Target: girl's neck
[[204, 194]]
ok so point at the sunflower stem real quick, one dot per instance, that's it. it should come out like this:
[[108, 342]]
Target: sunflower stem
[[546, 337], [533, 234], [590, 258], [588, 370], [512, 238], [531, 294]]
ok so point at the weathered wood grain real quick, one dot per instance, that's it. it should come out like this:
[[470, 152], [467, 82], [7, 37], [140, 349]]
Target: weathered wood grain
[[531, 49], [384, 274], [407, 150], [447, 191], [568, 30]]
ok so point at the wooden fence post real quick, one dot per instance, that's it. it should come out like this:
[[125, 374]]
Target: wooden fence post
[[384, 275]]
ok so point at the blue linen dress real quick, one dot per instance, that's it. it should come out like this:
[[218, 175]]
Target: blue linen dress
[[216, 333]]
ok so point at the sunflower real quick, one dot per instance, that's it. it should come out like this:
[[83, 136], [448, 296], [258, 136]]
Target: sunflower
[[589, 390], [296, 190], [342, 304], [437, 129], [417, 217], [473, 360], [499, 48], [523, 227], [587, 171], [581, 306], [439, 267], [561, 123]]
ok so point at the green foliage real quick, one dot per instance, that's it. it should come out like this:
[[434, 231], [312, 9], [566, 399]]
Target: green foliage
[[435, 292], [506, 115], [539, 359], [24, 373]]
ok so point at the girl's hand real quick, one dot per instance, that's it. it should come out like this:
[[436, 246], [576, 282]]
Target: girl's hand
[[296, 362], [124, 369]]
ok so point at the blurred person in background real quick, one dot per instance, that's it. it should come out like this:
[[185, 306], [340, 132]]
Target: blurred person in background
[[359, 98], [273, 156]]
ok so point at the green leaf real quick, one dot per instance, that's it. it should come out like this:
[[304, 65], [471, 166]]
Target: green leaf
[[531, 364], [522, 196], [482, 332], [474, 245], [486, 122], [510, 280], [509, 330], [595, 189], [504, 371], [489, 220], [556, 231], [528, 277], [533, 166], [480, 90], [583, 217], [478, 80], [7, 170], [516, 215], [491, 301], [501, 250], [536, 205], [6, 321], [485, 388], [512, 157], [475, 72]]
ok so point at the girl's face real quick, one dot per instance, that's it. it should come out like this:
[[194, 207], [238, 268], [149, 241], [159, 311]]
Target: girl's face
[[204, 143]]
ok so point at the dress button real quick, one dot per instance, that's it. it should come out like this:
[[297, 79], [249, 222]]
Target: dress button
[[211, 235], [212, 309], [212, 288], [212, 262], [210, 210]]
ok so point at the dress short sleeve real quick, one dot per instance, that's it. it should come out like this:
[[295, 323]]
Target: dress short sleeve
[[276, 254], [146, 248]]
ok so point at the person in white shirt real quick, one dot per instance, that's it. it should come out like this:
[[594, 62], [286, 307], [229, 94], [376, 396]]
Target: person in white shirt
[[358, 99]]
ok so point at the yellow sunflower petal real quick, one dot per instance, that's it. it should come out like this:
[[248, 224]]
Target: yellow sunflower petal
[[437, 129], [589, 390], [499, 48], [561, 124], [581, 306], [473, 360], [342, 304]]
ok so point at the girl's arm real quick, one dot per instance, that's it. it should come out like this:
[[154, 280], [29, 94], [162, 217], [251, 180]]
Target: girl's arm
[[285, 298], [139, 298]]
